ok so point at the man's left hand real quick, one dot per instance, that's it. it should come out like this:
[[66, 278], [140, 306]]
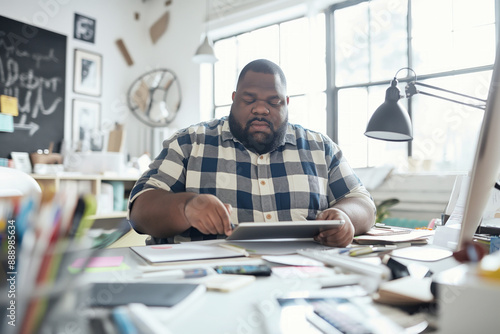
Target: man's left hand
[[337, 237]]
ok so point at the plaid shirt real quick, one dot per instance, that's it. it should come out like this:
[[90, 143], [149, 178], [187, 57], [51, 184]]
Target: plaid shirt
[[303, 176]]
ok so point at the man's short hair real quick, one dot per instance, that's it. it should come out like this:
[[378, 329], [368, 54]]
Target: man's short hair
[[262, 66]]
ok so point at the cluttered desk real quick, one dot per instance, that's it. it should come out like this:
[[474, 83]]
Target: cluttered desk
[[246, 286]]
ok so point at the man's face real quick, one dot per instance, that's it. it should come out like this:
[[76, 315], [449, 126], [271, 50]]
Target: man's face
[[259, 113]]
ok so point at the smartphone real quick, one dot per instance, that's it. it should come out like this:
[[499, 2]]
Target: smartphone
[[255, 270]]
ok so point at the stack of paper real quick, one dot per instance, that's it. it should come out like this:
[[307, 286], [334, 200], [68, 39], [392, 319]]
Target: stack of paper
[[413, 236]]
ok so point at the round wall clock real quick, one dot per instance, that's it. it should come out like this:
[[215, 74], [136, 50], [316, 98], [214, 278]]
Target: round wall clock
[[155, 97]]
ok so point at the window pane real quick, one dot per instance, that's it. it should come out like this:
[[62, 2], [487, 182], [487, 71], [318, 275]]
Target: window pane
[[452, 34], [303, 54], [388, 38], [351, 44], [225, 80], [222, 111], [352, 106], [260, 43], [308, 111], [444, 132], [466, 15]]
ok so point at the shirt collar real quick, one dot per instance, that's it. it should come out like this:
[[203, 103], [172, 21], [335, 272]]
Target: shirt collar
[[290, 137]]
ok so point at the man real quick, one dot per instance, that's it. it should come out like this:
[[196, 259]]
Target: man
[[251, 166]]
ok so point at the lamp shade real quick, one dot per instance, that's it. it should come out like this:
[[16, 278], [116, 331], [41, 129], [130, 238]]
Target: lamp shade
[[390, 121], [205, 53]]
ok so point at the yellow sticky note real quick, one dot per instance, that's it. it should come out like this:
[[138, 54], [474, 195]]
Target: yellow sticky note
[[8, 105]]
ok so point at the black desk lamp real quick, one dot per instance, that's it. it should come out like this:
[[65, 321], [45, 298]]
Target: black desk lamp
[[391, 121]]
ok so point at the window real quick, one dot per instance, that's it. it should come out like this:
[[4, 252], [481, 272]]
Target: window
[[298, 46], [448, 43]]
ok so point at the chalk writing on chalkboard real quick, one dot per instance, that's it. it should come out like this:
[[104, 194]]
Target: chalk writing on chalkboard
[[32, 69]]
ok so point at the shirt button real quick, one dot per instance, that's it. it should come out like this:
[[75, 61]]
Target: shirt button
[[261, 157], [263, 183], [268, 216]]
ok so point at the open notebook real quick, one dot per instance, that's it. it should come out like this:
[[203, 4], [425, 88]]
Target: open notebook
[[155, 254]]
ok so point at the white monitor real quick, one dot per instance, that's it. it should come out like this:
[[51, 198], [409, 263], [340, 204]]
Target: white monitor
[[486, 162]]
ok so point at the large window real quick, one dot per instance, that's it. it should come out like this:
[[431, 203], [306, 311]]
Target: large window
[[448, 43], [298, 46]]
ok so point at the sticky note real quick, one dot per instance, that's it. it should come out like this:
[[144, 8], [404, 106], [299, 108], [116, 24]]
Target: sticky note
[[99, 262], [6, 123], [8, 105]]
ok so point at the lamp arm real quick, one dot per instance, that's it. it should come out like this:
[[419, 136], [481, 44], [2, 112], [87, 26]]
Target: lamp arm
[[412, 90]]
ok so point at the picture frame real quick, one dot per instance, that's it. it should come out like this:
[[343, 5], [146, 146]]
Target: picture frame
[[86, 123], [84, 28], [87, 76], [21, 161]]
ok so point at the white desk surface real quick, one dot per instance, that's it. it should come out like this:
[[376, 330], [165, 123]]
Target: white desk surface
[[229, 312]]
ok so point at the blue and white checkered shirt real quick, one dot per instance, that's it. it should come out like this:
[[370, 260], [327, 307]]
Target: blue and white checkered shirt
[[303, 176]]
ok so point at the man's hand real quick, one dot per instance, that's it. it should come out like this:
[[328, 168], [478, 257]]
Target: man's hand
[[337, 237], [208, 214]]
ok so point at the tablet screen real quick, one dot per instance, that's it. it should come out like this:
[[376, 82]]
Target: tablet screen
[[285, 229]]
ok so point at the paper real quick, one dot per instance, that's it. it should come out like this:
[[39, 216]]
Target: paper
[[183, 252], [105, 261], [414, 235], [405, 291], [123, 266], [303, 272], [277, 246], [457, 206], [6, 123], [8, 105], [293, 260]]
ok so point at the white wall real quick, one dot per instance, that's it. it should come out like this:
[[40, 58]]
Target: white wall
[[115, 19]]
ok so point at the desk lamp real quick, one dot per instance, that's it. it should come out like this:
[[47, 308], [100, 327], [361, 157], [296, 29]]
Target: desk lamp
[[391, 121]]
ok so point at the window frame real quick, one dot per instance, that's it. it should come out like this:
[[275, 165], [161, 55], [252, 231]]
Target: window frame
[[215, 106], [333, 89]]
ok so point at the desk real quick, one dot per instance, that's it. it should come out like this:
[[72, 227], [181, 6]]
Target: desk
[[233, 312]]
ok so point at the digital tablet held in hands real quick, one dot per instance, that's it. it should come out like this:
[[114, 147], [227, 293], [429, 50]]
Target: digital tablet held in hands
[[281, 230]]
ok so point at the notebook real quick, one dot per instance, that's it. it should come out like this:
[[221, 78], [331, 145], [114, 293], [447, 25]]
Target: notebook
[[184, 252]]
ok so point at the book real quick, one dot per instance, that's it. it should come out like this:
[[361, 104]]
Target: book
[[154, 254]]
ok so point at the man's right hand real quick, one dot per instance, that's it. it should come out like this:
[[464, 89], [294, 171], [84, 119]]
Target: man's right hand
[[208, 214]]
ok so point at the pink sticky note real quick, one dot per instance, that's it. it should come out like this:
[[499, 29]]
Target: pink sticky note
[[99, 262]]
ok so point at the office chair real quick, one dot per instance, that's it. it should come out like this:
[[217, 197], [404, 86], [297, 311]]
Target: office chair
[[14, 183]]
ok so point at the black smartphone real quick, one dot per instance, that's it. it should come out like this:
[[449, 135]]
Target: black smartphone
[[255, 270]]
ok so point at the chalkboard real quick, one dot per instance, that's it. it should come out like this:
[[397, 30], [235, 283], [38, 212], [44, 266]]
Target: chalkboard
[[33, 69]]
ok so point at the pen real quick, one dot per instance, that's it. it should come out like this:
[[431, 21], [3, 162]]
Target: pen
[[367, 250], [177, 273], [123, 321], [361, 251], [235, 248]]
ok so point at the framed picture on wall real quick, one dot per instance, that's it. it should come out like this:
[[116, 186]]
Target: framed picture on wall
[[87, 76], [84, 28], [86, 124]]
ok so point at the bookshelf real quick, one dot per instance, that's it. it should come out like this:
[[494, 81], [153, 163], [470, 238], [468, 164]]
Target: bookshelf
[[92, 184]]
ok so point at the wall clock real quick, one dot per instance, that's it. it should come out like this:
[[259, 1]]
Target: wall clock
[[155, 97]]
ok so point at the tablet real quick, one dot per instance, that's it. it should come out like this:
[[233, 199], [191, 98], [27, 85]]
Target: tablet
[[280, 230]]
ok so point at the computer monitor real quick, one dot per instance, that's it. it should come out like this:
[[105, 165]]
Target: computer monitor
[[486, 165]]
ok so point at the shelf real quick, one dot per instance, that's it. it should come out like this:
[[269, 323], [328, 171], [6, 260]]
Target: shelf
[[88, 184]]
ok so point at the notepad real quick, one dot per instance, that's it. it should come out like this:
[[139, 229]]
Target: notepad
[[183, 252]]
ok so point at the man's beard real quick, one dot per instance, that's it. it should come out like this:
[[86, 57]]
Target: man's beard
[[271, 140]]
